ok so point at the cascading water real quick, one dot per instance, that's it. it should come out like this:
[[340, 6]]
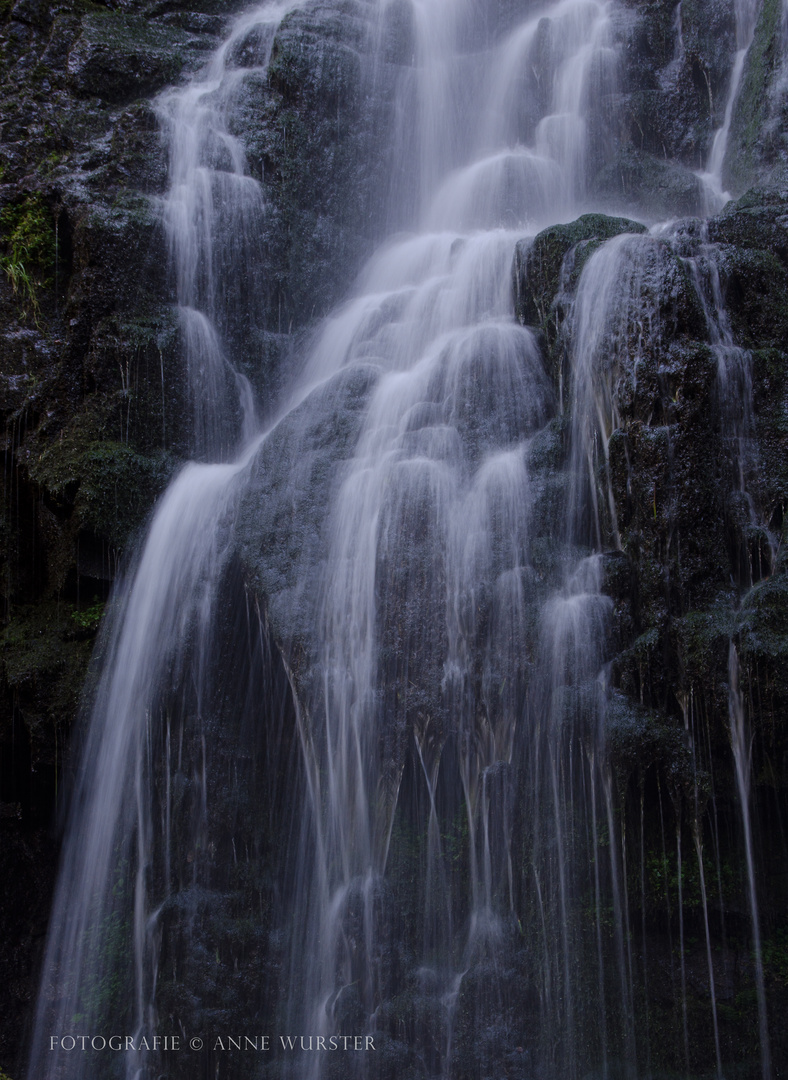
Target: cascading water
[[746, 14], [449, 691], [441, 472], [161, 632]]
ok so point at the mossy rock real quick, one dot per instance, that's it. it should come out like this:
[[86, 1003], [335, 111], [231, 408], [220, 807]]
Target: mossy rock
[[763, 623], [537, 263], [770, 402], [109, 486], [44, 664], [47, 639], [757, 139], [704, 636], [123, 57], [27, 236], [755, 291], [639, 738], [759, 219]]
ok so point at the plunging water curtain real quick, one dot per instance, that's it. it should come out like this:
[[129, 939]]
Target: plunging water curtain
[[439, 728]]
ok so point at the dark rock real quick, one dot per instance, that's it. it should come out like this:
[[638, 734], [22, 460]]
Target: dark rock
[[675, 87], [637, 180], [33, 12], [755, 290], [119, 58], [537, 263], [759, 219]]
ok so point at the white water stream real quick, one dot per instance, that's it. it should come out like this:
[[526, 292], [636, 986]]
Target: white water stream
[[746, 12]]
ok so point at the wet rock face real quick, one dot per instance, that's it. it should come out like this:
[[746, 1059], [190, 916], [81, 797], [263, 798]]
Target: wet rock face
[[90, 400], [758, 129], [690, 544], [315, 132], [541, 273], [668, 449], [674, 82], [120, 58], [283, 512], [678, 94]]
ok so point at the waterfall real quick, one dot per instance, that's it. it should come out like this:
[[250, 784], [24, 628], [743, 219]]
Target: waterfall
[[170, 597], [443, 628]]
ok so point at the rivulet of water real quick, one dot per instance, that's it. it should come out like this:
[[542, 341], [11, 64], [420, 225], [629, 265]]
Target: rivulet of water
[[746, 12]]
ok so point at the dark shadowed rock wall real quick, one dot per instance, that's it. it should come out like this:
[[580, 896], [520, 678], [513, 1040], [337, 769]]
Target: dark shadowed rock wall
[[693, 574]]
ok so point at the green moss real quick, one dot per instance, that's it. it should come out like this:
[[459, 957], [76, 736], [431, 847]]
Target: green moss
[[29, 250], [110, 486], [88, 618], [537, 267], [746, 148]]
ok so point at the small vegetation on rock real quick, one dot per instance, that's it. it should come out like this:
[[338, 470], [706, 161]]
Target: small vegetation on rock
[[29, 249]]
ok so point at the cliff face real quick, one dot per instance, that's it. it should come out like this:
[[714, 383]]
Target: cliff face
[[96, 421], [89, 395]]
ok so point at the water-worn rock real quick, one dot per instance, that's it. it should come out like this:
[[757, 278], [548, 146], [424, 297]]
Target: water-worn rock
[[675, 74], [122, 57], [283, 513], [639, 181], [538, 263]]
